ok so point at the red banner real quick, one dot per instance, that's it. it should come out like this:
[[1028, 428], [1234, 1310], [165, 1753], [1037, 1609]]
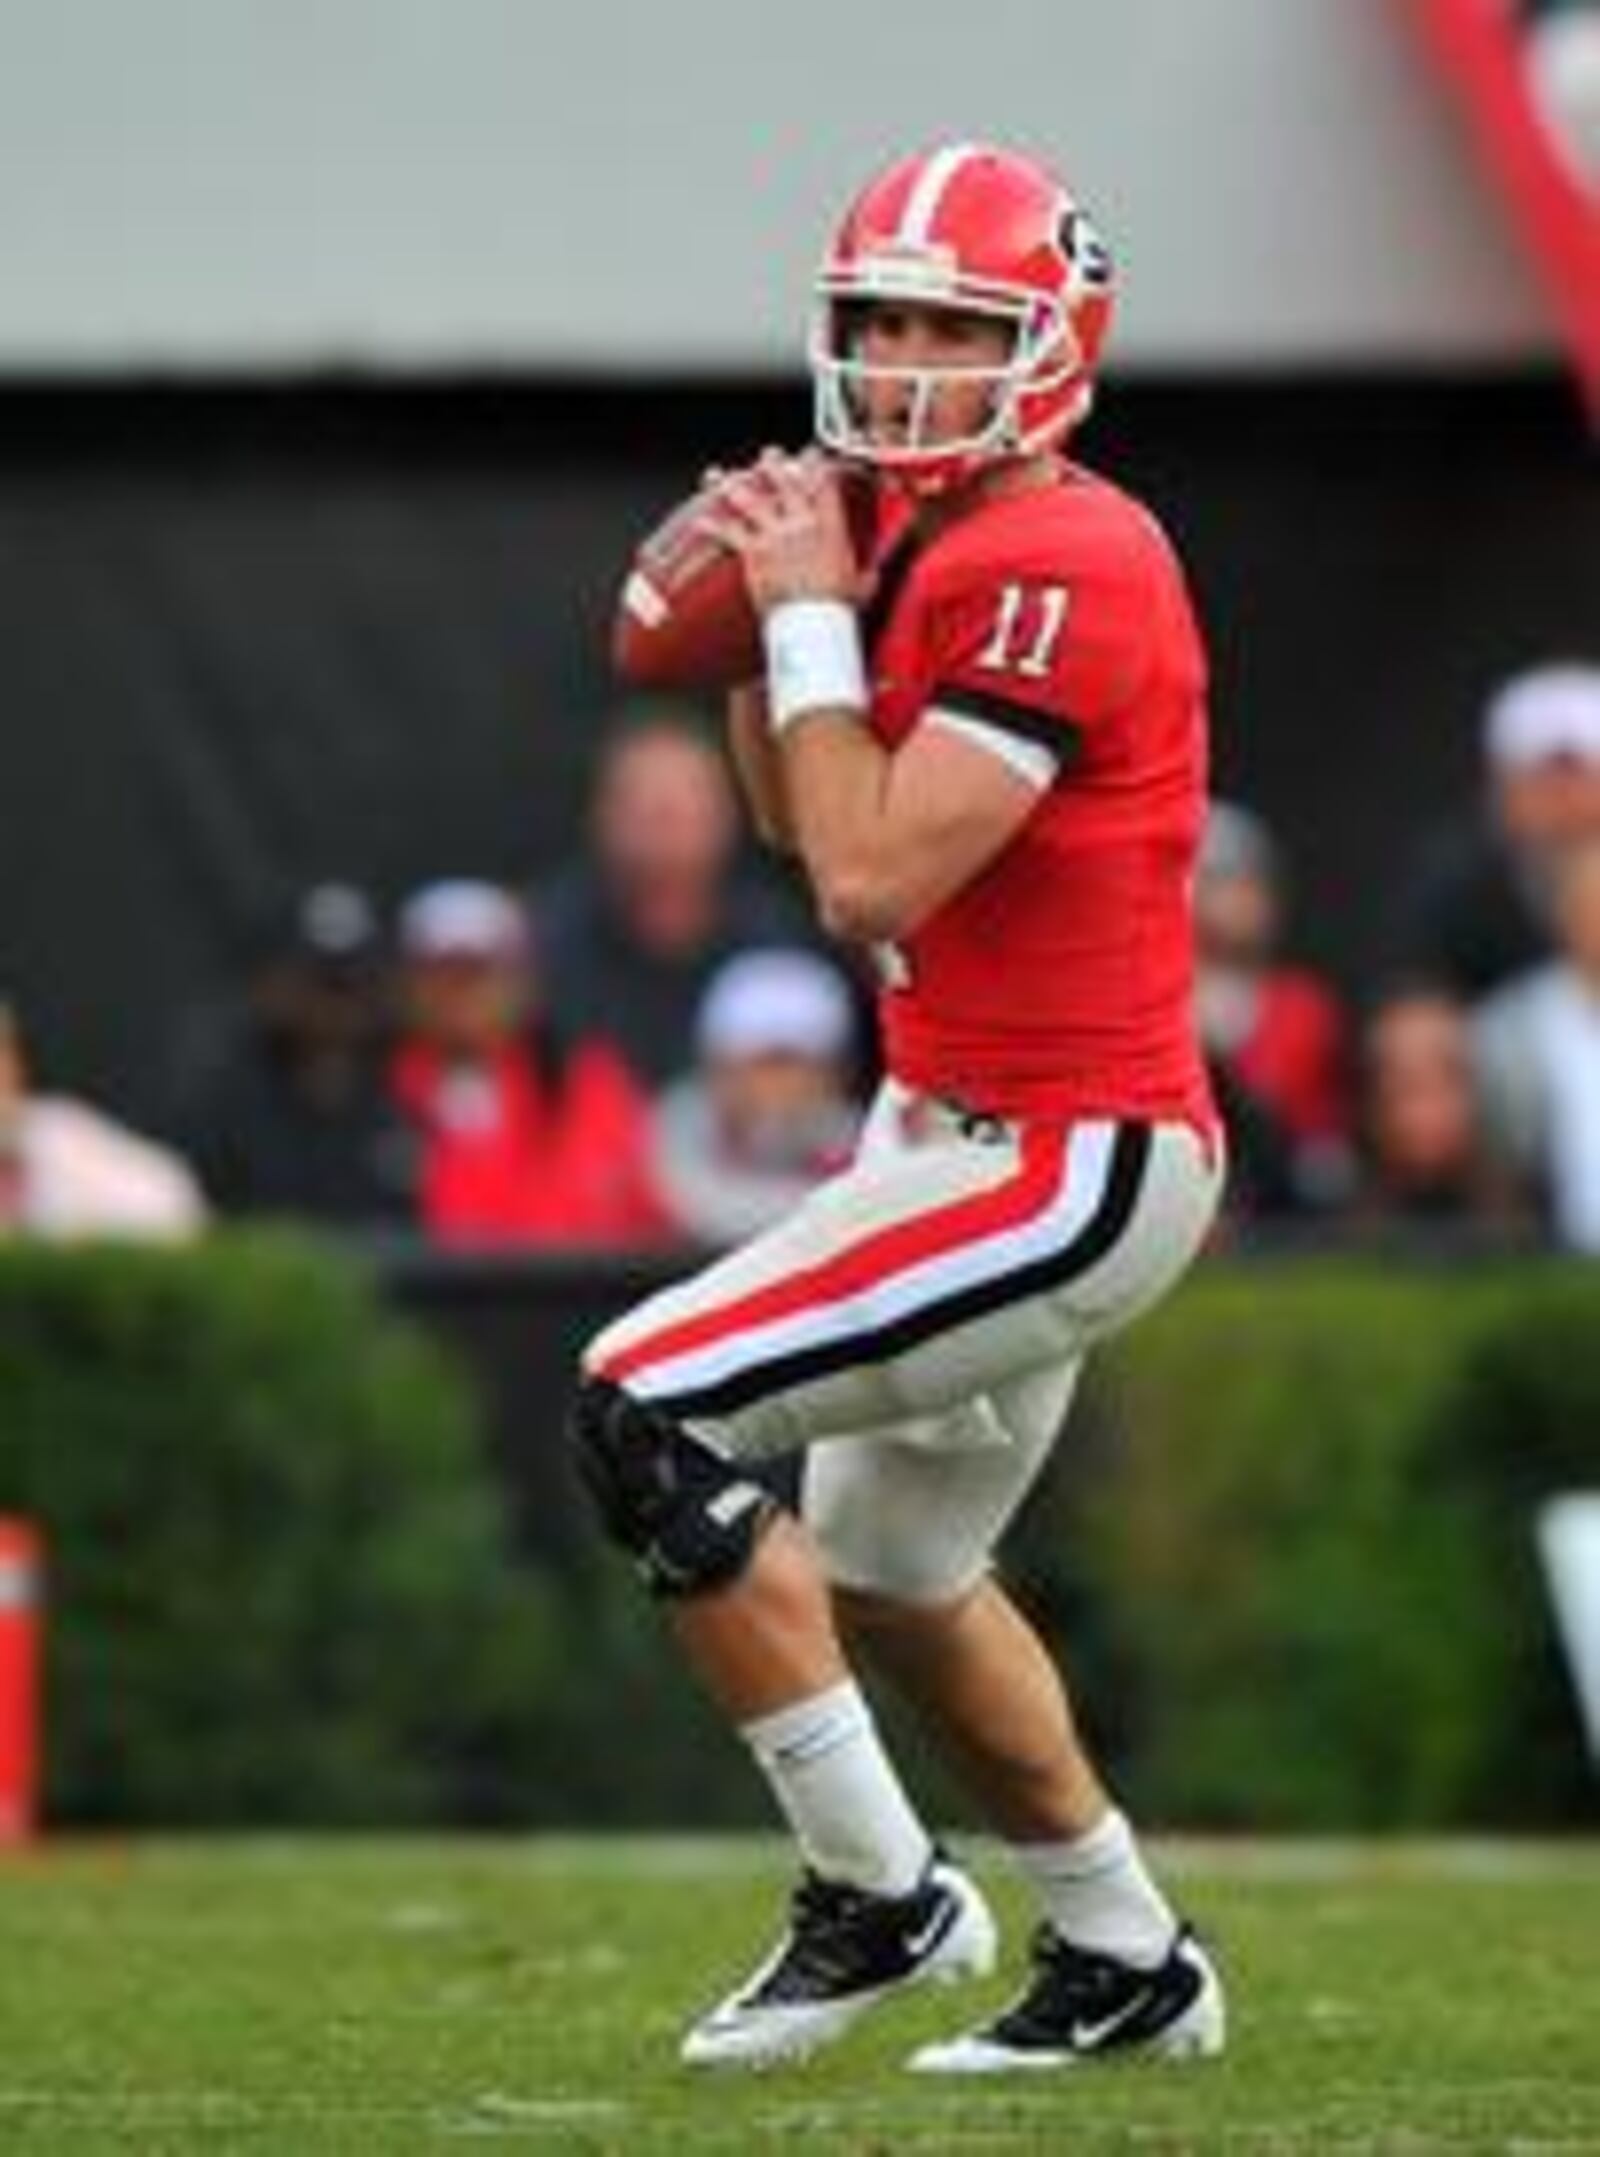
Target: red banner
[[1529, 79]]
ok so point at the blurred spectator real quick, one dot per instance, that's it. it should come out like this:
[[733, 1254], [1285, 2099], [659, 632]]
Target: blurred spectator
[[769, 1111], [284, 1109], [1537, 1043], [68, 1171], [1260, 1184], [523, 1140], [1275, 1034], [1425, 1156], [632, 934], [1477, 909]]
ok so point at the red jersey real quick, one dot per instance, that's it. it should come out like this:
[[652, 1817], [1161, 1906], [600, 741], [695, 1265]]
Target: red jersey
[[1059, 981]]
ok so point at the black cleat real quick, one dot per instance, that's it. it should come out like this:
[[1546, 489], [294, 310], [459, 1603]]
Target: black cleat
[[844, 1951], [1086, 2006]]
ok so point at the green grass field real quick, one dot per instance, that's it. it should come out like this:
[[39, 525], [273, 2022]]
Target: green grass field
[[319, 1995]]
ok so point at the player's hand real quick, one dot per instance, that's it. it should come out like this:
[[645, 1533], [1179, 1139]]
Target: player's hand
[[785, 518]]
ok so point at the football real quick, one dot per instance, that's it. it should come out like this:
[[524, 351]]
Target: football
[[684, 618]]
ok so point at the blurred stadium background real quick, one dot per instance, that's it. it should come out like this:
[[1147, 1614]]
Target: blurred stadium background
[[344, 352], [346, 347]]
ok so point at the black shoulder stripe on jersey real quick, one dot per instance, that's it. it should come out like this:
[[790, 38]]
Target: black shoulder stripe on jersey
[[1062, 737]]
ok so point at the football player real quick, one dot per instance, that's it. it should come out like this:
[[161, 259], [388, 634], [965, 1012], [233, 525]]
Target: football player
[[987, 747]]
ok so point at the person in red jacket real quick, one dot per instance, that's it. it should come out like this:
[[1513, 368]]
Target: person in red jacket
[[524, 1139], [1275, 1032]]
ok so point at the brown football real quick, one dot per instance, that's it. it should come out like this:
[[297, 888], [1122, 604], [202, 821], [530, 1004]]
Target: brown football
[[684, 619]]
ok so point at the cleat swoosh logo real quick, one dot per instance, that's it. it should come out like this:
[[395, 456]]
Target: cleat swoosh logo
[[930, 1934], [1090, 2036]]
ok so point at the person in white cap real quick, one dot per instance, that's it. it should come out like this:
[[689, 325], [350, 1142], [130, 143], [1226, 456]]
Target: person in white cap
[[1537, 1050], [768, 1111], [1478, 906]]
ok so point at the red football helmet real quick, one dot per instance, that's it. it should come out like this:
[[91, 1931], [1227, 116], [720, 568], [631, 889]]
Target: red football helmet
[[980, 231]]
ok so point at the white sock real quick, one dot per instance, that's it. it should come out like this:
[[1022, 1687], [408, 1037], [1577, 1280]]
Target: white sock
[[839, 1793], [1097, 1894]]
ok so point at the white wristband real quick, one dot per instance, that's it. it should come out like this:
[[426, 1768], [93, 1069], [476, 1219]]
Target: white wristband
[[813, 659]]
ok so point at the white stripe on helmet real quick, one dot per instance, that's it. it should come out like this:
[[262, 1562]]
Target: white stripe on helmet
[[922, 204]]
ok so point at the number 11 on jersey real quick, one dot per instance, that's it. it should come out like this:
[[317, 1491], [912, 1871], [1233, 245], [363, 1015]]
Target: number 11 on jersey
[[1027, 629]]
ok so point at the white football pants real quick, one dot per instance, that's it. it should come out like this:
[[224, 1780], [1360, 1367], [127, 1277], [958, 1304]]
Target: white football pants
[[919, 1322]]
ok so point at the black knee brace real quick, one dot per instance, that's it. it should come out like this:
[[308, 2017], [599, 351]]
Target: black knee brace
[[689, 1518]]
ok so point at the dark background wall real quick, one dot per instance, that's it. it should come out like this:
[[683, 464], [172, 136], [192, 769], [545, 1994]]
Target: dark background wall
[[249, 637]]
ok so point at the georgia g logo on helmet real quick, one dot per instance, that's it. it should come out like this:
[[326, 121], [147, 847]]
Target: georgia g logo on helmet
[[1085, 250], [975, 230]]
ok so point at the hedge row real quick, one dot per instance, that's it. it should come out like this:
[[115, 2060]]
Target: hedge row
[[1296, 1528], [277, 1586], [1286, 1548]]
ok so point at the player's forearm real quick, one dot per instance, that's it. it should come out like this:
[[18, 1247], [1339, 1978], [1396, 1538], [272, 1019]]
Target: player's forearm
[[835, 771], [759, 768], [837, 780]]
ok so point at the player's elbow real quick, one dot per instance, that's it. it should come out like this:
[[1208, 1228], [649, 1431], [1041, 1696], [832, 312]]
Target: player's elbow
[[860, 905], [848, 907]]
